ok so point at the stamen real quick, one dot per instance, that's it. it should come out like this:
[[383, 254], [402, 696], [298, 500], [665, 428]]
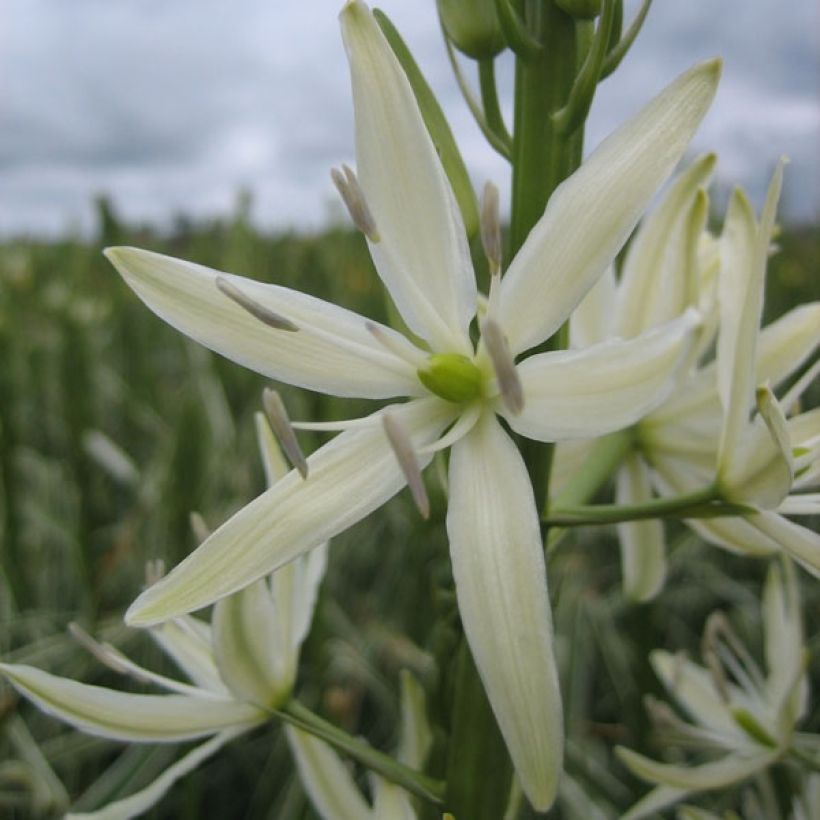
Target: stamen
[[406, 455], [258, 311], [335, 426], [104, 653], [353, 197], [721, 641], [154, 570], [280, 423], [491, 228], [791, 401], [397, 345], [509, 384], [199, 528], [775, 421], [466, 421]]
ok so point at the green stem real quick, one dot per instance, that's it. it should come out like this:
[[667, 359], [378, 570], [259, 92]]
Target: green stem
[[704, 503], [542, 157], [489, 98], [415, 782]]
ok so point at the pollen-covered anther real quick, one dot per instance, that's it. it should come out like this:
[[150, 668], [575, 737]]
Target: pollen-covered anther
[[257, 310], [347, 184], [406, 456], [282, 427], [509, 384], [491, 227]]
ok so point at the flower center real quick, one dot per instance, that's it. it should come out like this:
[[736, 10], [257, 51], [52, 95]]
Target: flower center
[[452, 376]]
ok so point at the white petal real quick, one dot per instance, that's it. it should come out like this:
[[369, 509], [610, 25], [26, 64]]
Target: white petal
[[785, 344], [311, 570], [187, 641], [784, 643], [253, 665], [422, 253], [349, 478], [578, 394], [125, 716], [590, 215], [659, 798], [391, 801], [139, 802], [326, 779], [696, 691], [724, 772], [805, 504], [498, 565], [332, 351], [744, 252], [801, 543], [594, 318], [643, 547], [652, 291]]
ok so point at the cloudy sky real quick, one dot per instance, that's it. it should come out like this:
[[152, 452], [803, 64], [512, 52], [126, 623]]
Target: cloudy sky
[[173, 105]]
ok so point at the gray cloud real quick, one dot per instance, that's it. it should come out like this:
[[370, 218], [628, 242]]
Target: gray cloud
[[173, 106]]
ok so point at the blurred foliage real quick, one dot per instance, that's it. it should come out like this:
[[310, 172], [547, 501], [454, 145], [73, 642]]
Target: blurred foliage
[[114, 427]]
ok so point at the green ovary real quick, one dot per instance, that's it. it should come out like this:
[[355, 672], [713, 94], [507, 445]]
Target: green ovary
[[452, 377]]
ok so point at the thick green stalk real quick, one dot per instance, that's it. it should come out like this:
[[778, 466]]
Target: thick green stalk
[[542, 157], [415, 782]]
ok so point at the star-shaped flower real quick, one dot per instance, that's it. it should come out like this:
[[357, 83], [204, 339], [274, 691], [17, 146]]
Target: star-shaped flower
[[748, 719], [240, 666], [402, 201]]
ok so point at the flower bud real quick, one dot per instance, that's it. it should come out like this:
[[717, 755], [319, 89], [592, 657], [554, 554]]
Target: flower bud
[[473, 27], [585, 9]]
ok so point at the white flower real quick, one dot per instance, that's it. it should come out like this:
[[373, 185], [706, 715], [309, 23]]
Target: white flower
[[748, 719], [240, 666], [403, 203], [702, 434]]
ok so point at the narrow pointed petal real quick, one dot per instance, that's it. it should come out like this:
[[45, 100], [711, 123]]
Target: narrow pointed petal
[[422, 254], [251, 663], [390, 800], [659, 798], [724, 772], [128, 717], [579, 394], [188, 642], [498, 565], [800, 543], [650, 293], [349, 478], [332, 350], [311, 570], [590, 215], [744, 254], [326, 779], [139, 802], [694, 688], [643, 546]]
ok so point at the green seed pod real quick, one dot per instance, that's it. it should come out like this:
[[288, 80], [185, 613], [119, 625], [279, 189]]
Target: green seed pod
[[452, 376], [473, 27], [585, 9]]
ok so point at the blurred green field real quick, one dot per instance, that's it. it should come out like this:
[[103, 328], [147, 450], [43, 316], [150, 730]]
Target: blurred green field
[[113, 428]]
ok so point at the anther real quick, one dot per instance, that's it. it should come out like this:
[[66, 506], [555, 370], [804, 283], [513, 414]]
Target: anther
[[154, 570], [353, 197], [257, 310], [406, 455], [282, 427], [491, 228], [509, 383]]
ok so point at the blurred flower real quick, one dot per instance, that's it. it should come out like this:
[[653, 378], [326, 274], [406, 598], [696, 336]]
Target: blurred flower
[[240, 666], [403, 203], [745, 717], [702, 436]]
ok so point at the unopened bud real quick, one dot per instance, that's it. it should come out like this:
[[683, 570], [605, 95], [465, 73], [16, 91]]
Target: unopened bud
[[473, 27]]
